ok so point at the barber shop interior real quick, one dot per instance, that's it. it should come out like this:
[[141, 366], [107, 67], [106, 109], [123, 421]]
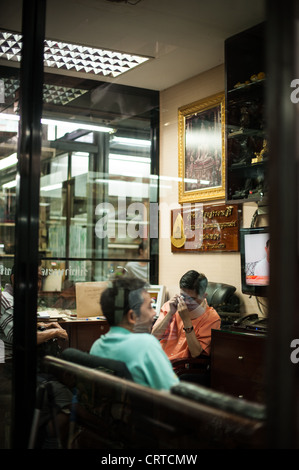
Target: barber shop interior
[[148, 158]]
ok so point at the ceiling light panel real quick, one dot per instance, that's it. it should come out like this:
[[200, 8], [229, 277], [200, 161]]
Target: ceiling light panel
[[73, 57], [51, 93]]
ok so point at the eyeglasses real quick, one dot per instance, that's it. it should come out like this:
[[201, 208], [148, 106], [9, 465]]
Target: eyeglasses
[[187, 297], [191, 302]]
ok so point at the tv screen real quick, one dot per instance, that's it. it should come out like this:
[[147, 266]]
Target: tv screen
[[255, 253]]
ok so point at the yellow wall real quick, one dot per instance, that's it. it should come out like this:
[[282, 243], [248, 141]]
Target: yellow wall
[[217, 267]]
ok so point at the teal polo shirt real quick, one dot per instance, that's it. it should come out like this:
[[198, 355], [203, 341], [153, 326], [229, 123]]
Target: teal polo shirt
[[142, 354]]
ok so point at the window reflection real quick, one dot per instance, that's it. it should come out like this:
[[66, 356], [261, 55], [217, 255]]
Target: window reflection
[[96, 150], [70, 192], [95, 188], [94, 209]]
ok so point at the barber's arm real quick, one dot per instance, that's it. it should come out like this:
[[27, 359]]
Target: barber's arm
[[50, 331], [162, 323], [194, 345]]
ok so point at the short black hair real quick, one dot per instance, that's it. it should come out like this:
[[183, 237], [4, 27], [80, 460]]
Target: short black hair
[[194, 281], [114, 300]]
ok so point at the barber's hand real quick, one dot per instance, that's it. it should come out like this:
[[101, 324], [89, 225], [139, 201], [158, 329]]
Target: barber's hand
[[60, 333], [173, 304], [48, 325], [47, 334], [52, 324]]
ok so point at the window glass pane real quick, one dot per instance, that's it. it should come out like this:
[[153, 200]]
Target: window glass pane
[[95, 186], [95, 190], [79, 164], [58, 291]]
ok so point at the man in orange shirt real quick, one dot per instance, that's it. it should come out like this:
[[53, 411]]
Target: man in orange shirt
[[186, 320]]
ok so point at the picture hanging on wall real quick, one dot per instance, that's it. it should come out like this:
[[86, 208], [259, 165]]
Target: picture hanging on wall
[[201, 166]]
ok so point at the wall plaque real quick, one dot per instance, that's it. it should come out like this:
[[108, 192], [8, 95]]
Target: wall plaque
[[205, 228]]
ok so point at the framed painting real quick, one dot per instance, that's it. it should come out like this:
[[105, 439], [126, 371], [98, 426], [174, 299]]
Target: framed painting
[[201, 166]]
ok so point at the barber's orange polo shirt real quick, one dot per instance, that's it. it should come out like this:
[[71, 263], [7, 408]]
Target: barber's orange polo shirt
[[174, 341]]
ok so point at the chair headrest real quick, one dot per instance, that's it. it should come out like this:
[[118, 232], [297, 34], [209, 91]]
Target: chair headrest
[[218, 293]]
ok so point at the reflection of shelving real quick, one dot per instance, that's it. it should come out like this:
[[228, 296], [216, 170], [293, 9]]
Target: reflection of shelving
[[246, 143], [7, 237], [246, 87], [242, 166], [235, 134], [115, 246]]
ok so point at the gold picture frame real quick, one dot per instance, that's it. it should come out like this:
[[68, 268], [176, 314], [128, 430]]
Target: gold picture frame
[[201, 166]]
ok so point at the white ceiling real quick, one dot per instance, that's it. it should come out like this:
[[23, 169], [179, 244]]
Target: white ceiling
[[183, 37]]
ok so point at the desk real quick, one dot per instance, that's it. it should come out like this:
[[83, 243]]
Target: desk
[[238, 363], [83, 333]]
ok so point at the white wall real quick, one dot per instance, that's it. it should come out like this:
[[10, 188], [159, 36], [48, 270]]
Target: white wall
[[218, 267]]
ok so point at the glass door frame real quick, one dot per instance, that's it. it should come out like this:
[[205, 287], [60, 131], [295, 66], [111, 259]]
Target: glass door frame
[[27, 222]]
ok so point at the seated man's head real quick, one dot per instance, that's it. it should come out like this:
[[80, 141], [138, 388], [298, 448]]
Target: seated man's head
[[143, 249], [126, 303], [193, 287]]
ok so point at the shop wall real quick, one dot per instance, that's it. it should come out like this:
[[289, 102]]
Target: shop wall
[[218, 267]]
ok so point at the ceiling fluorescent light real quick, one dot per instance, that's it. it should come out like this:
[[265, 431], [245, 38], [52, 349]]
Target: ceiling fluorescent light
[[10, 117], [70, 125], [75, 57], [51, 187], [10, 184], [129, 158], [131, 142], [8, 161]]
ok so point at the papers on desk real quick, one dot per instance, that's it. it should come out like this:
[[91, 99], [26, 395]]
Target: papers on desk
[[51, 314], [43, 315]]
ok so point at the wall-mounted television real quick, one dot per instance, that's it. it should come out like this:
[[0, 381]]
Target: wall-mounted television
[[255, 253]]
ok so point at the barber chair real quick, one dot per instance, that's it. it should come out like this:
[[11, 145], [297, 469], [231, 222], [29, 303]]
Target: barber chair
[[222, 297]]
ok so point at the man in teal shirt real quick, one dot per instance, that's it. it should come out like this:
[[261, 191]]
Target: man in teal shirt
[[128, 309]]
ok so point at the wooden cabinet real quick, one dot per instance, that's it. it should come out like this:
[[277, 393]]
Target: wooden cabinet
[[237, 364]]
